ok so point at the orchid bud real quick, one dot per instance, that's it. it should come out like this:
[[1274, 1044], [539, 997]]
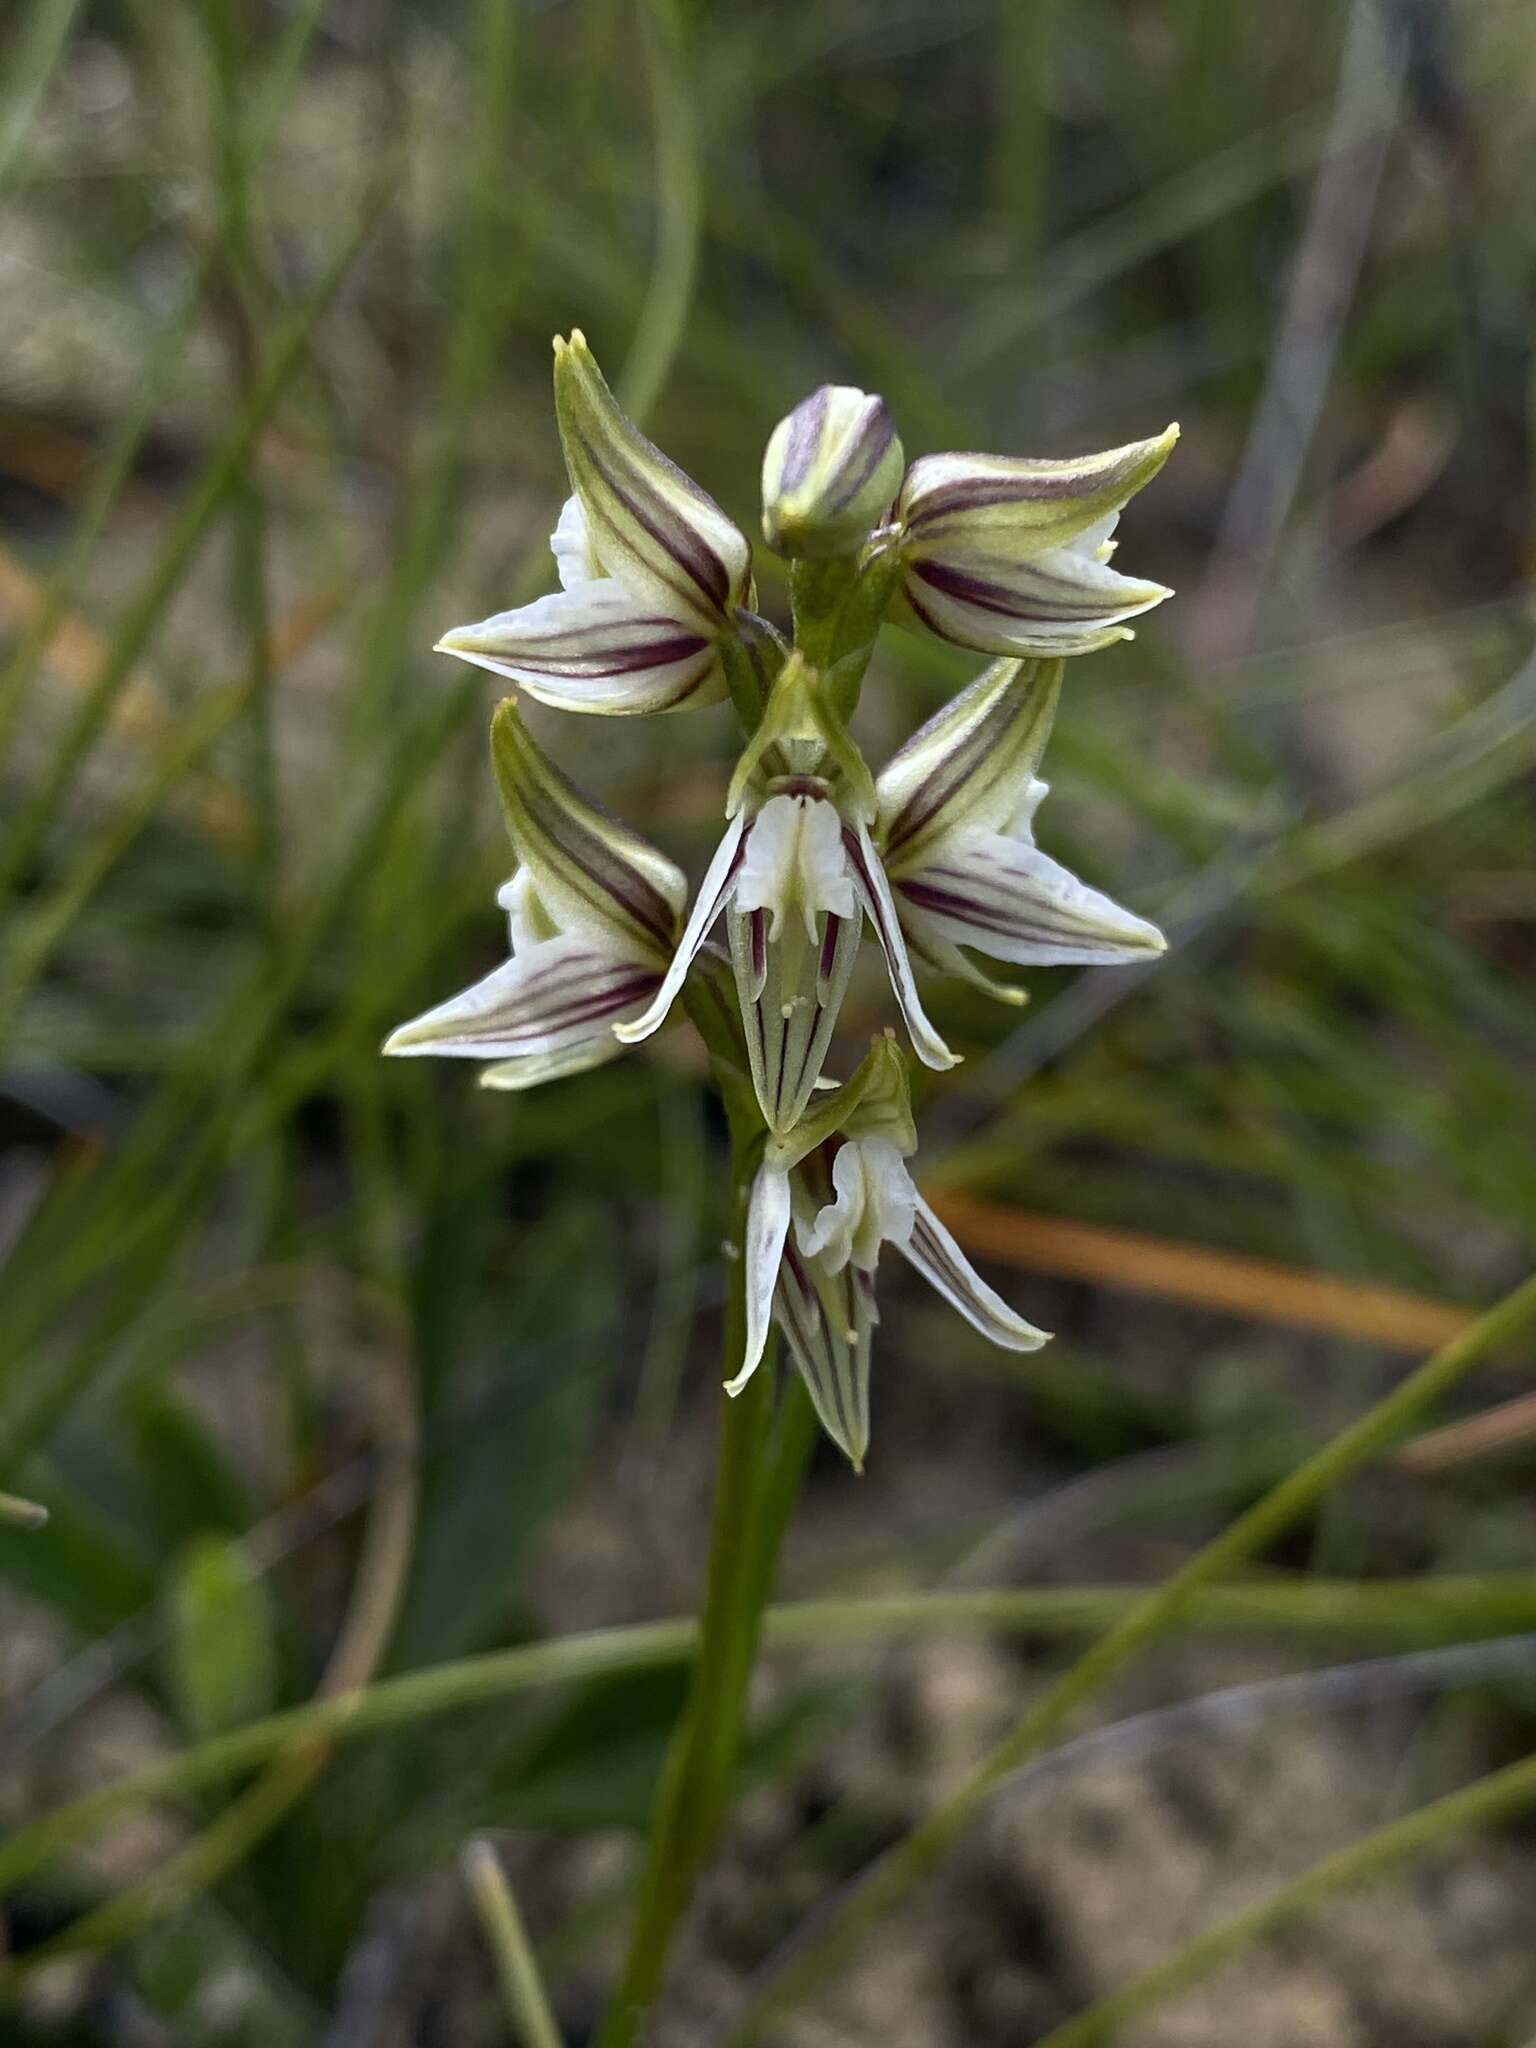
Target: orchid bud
[[829, 474]]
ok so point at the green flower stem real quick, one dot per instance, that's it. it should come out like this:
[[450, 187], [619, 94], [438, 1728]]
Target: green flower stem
[[1489, 1799], [893, 1875], [695, 1789], [1440, 1610]]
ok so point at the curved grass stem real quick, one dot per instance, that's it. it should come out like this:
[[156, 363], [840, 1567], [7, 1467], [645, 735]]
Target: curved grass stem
[[1489, 1799], [1439, 1609], [893, 1875]]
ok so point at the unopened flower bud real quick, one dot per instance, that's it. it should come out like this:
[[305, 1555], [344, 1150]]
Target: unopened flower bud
[[830, 473]]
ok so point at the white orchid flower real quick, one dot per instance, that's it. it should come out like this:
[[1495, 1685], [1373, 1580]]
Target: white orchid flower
[[794, 877], [823, 1204], [593, 914], [651, 571], [955, 832], [1010, 554]]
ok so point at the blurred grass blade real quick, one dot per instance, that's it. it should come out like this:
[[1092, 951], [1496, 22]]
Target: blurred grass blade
[[1262, 1290], [188, 531], [112, 471], [27, 65], [481, 291], [36, 932], [1437, 1609], [517, 1969], [1482, 1804], [21, 1514], [222, 1655], [679, 208], [892, 1876]]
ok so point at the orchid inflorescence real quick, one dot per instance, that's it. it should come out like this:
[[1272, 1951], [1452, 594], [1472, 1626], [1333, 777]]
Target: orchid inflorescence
[[935, 855]]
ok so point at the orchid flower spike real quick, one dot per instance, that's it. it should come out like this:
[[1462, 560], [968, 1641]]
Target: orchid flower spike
[[823, 1204], [955, 831], [652, 572], [593, 913], [1010, 554]]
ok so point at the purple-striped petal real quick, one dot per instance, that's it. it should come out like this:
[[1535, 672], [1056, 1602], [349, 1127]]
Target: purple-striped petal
[[592, 647], [830, 472], [875, 895], [944, 1266], [719, 880], [1057, 603], [1006, 898], [971, 764], [827, 1320], [561, 993]]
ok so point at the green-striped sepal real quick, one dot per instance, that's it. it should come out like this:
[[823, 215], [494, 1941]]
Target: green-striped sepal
[[652, 572], [593, 913], [956, 834], [1010, 554]]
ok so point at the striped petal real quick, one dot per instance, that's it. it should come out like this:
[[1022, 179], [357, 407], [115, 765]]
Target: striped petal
[[944, 1266], [828, 1320], [768, 1212], [999, 893], [591, 873], [558, 996], [714, 892], [1060, 602], [970, 764], [874, 892], [593, 647], [650, 526], [1011, 506]]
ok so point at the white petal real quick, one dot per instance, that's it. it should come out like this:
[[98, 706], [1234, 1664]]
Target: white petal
[[794, 860], [571, 545], [767, 1228], [592, 647], [558, 993], [1063, 601], [1097, 540], [875, 1204], [719, 882], [513, 1076], [526, 923], [829, 1235], [944, 1266], [875, 894]]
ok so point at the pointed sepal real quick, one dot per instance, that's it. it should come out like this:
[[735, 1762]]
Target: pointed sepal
[[586, 866], [651, 526]]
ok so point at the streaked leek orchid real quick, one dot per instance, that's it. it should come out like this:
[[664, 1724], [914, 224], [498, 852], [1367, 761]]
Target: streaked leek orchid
[[652, 572], [1010, 555], [824, 1202], [593, 913]]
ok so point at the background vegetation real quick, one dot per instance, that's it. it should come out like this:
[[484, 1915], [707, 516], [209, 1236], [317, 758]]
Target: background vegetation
[[329, 1372]]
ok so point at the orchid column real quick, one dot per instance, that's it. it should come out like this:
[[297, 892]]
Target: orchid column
[[935, 857]]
